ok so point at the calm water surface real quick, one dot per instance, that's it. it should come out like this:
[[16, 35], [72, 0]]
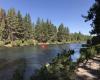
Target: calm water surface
[[33, 57]]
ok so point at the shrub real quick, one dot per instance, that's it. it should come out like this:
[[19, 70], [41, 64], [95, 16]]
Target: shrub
[[96, 40], [61, 68], [16, 43], [2, 43], [89, 42], [91, 52], [87, 53], [28, 42], [97, 47]]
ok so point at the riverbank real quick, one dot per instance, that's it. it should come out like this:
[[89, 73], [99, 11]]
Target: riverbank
[[19, 43], [90, 71]]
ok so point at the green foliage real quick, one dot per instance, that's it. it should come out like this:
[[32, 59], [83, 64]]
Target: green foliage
[[28, 42], [2, 43], [87, 53], [95, 40], [94, 16], [97, 47], [16, 43], [14, 26], [45, 31], [61, 68], [79, 37], [2, 23], [63, 33], [28, 27], [22, 42]]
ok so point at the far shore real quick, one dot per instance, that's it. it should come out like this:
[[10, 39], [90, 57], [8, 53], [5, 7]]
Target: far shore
[[36, 43]]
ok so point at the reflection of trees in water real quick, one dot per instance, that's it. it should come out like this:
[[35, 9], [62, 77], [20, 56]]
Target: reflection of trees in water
[[19, 72], [2, 63]]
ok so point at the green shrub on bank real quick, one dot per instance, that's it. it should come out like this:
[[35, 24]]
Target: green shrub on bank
[[87, 53], [97, 47], [2, 43], [28, 42], [22, 42], [61, 68], [16, 43]]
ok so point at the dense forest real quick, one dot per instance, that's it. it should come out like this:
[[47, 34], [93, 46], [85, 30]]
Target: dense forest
[[14, 26]]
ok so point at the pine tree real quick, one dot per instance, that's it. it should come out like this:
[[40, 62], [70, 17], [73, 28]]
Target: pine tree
[[94, 16], [62, 33], [28, 27], [2, 23], [20, 28], [66, 33], [12, 24], [2, 28]]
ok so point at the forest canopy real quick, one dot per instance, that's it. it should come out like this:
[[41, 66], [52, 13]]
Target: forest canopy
[[15, 26]]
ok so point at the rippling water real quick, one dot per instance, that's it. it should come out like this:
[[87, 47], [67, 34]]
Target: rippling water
[[33, 57]]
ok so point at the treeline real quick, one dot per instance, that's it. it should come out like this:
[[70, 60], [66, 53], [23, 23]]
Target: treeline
[[45, 31], [14, 26]]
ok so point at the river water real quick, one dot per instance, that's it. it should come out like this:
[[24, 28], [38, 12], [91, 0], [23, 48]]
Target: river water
[[33, 56]]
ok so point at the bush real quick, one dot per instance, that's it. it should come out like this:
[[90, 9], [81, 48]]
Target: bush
[[87, 53], [61, 68], [2, 43], [91, 52], [96, 40], [89, 42], [28, 42], [16, 43], [97, 47]]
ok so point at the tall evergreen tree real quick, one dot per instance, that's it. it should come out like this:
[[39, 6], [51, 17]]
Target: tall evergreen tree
[[67, 34], [20, 28], [28, 27], [2, 23], [12, 24], [2, 29], [63, 33], [37, 29], [94, 15]]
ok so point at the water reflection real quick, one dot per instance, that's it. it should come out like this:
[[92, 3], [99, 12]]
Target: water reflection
[[31, 58]]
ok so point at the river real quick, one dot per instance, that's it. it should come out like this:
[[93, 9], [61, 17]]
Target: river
[[33, 56]]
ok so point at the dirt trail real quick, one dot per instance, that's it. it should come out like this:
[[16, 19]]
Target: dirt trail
[[91, 71]]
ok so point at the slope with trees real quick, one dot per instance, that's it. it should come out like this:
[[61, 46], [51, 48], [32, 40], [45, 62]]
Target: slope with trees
[[16, 29]]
